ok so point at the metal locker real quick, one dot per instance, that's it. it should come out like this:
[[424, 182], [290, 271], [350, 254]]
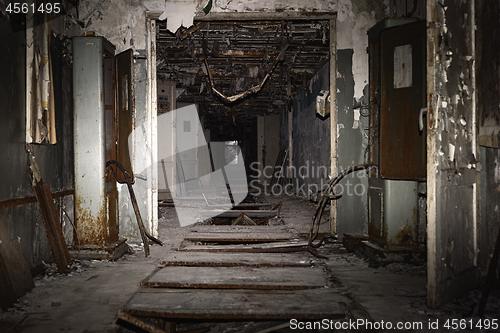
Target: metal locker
[[102, 123]]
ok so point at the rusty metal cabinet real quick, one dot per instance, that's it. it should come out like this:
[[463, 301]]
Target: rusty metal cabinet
[[103, 112], [397, 48]]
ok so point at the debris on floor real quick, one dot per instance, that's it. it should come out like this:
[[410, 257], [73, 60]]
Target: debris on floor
[[89, 297]]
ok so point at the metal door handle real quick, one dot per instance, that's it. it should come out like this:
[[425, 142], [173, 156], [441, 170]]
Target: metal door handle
[[421, 119]]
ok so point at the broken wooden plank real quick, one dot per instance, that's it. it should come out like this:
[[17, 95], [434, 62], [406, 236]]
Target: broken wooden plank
[[241, 206], [139, 322], [235, 304], [15, 276], [238, 237], [225, 259], [27, 200], [238, 219], [274, 278], [238, 228], [235, 213], [243, 219], [275, 328], [52, 225], [262, 248]]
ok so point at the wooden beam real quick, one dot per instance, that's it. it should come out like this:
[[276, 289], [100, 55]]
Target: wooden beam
[[432, 262], [32, 199], [139, 322], [333, 121], [52, 225]]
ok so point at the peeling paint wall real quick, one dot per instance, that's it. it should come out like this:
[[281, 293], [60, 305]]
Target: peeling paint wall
[[452, 169], [355, 18], [352, 140], [123, 23], [55, 161], [228, 6], [352, 35]]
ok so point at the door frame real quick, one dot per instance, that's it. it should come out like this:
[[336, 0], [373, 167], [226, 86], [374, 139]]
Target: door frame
[[439, 290]]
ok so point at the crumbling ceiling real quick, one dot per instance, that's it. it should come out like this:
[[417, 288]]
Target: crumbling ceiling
[[239, 56]]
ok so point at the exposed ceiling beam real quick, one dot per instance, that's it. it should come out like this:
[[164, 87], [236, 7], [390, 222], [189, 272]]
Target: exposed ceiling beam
[[266, 16]]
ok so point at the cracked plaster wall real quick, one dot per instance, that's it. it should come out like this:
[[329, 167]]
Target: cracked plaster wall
[[123, 23]]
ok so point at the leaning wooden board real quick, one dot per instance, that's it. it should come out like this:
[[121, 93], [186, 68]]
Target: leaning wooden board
[[273, 278], [236, 304]]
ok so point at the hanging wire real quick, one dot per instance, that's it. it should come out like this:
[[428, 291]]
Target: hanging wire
[[327, 194]]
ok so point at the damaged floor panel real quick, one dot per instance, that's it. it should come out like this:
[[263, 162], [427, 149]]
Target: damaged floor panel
[[231, 259], [234, 304], [95, 293], [272, 278], [209, 278], [238, 237], [280, 247], [238, 228]]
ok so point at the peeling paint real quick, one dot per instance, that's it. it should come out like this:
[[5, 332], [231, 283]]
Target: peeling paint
[[351, 34], [355, 123], [344, 10], [225, 6], [121, 22], [178, 13], [451, 152], [339, 127]]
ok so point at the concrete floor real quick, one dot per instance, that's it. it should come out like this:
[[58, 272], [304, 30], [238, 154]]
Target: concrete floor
[[88, 298]]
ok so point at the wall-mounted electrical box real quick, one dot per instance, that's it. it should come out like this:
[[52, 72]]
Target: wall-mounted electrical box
[[323, 103]]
